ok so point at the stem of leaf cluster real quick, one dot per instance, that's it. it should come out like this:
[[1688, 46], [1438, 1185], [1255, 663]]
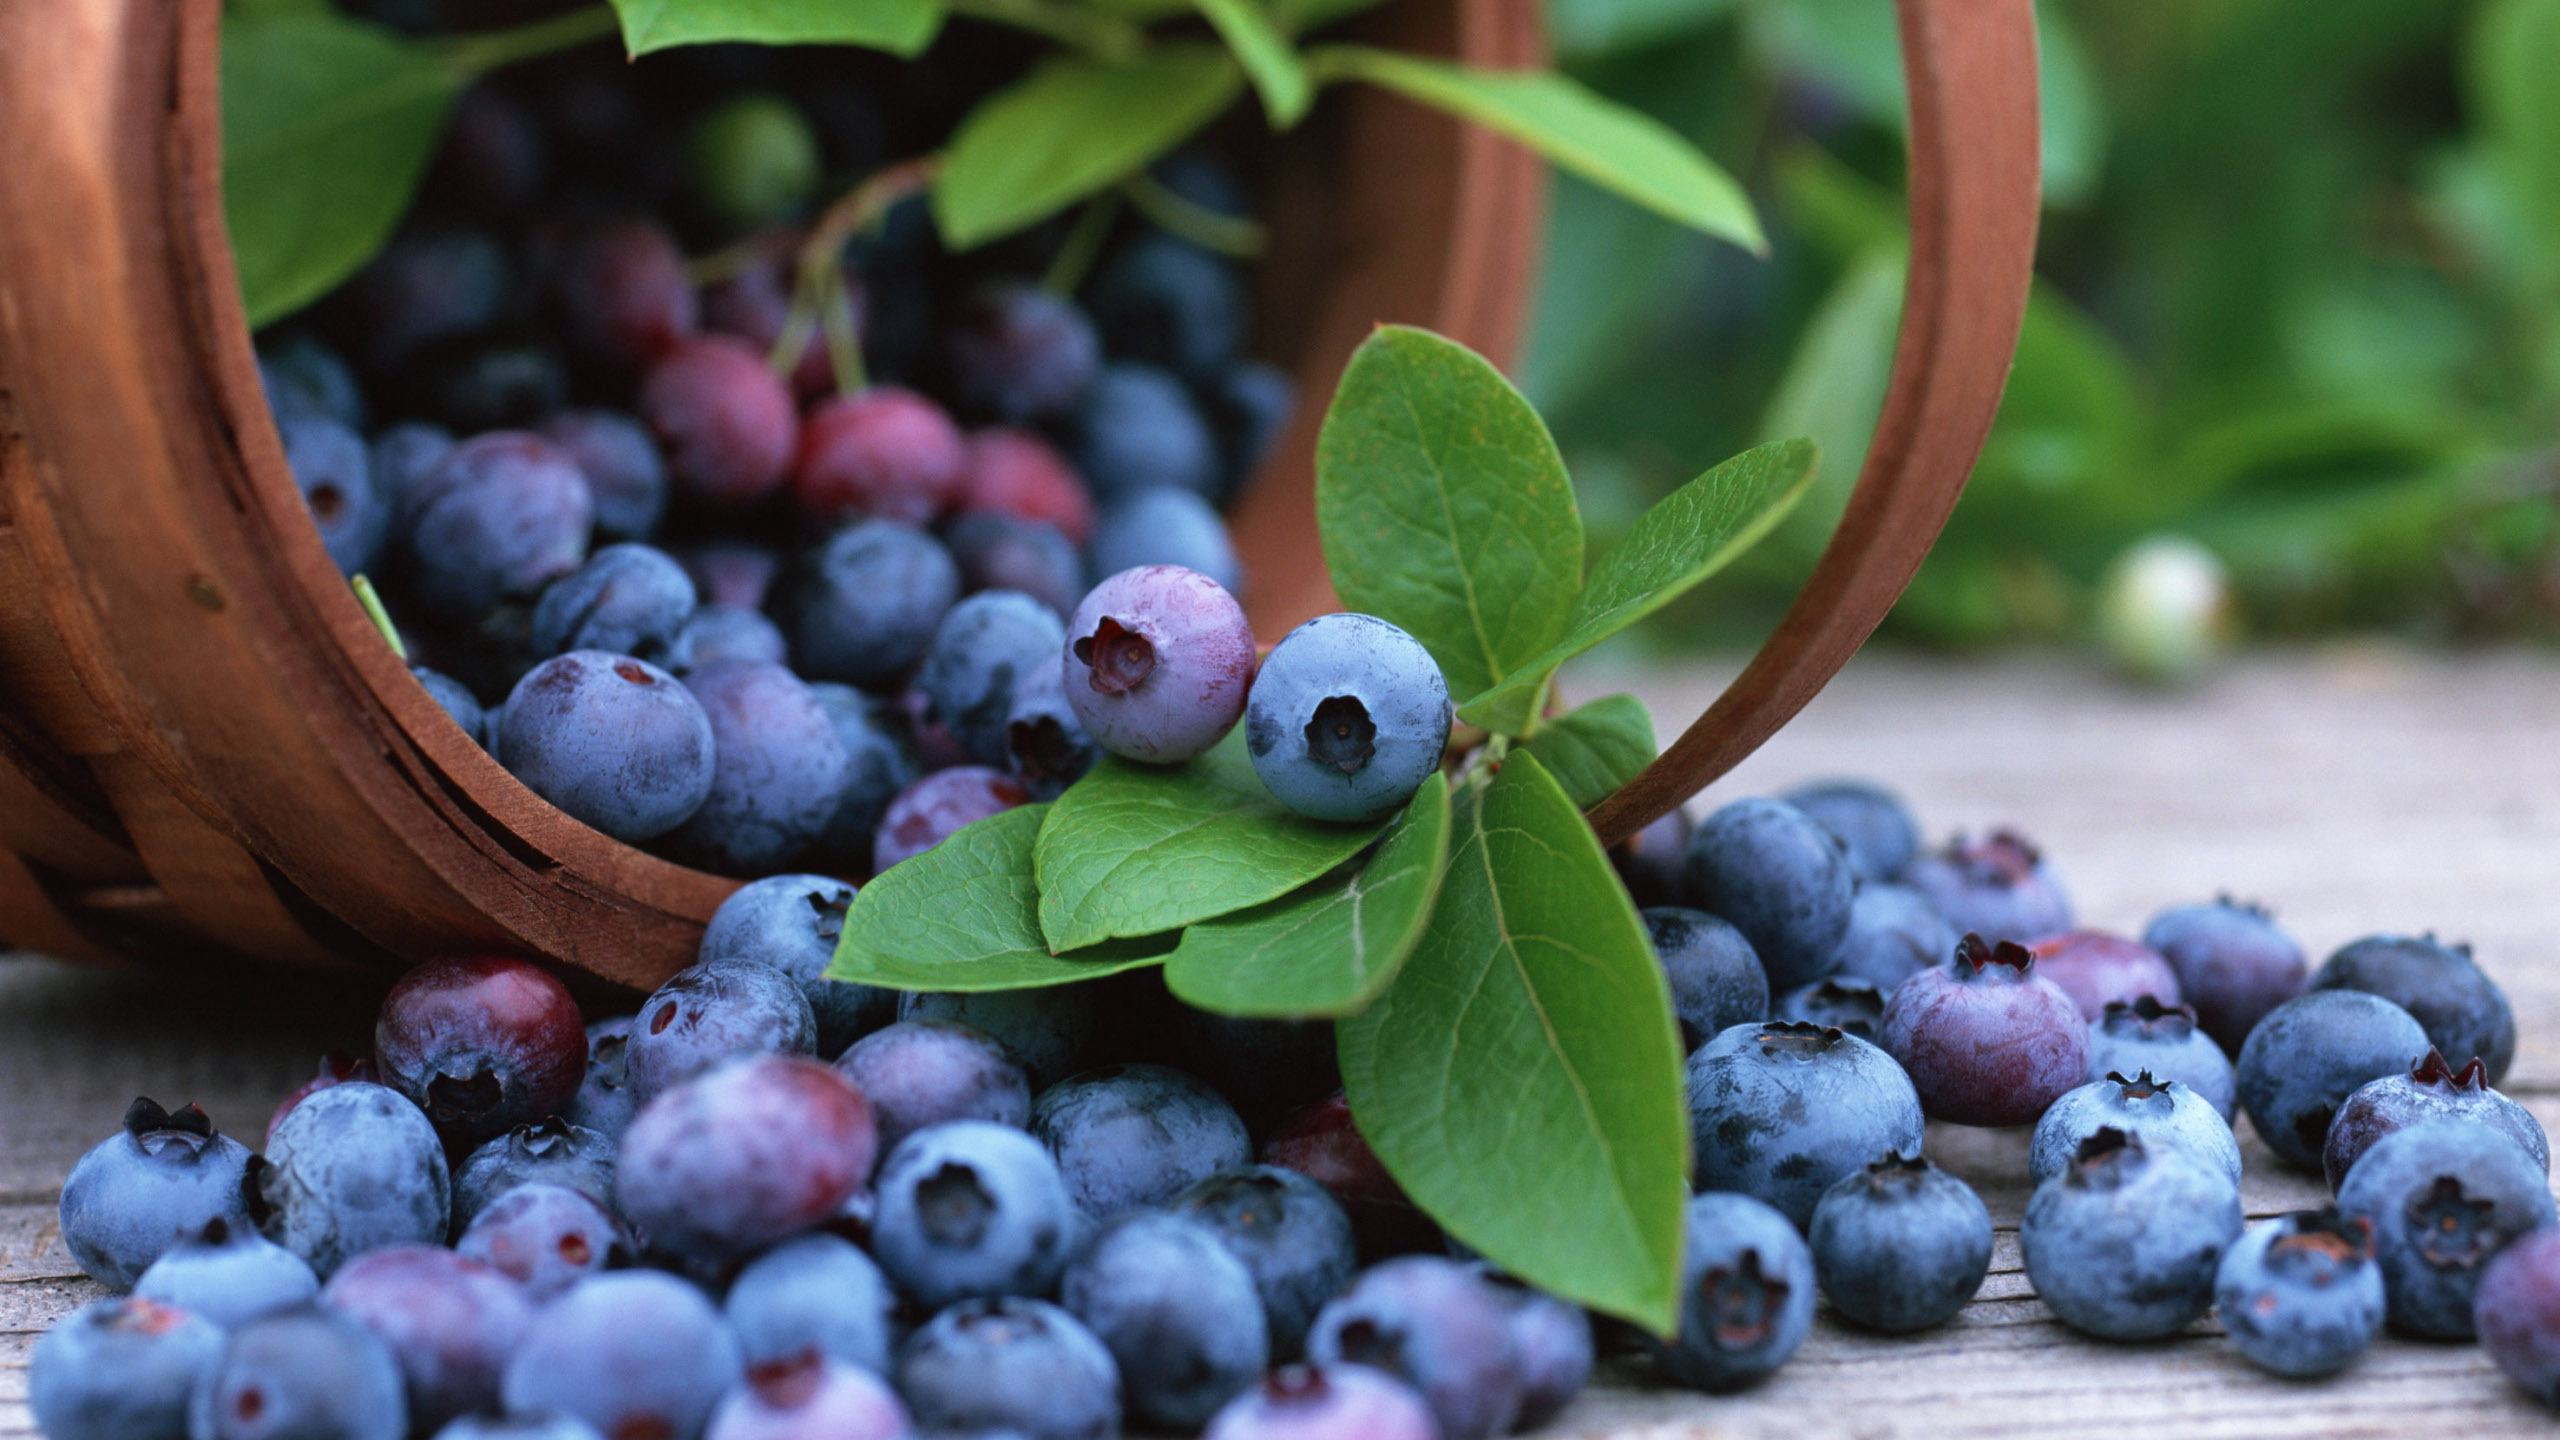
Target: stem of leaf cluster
[[371, 600], [817, 290], [1187, 219], [479, 54], [1092, 32], [1082, 246]]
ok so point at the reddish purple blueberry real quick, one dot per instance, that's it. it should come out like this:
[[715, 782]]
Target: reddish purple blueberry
[[2233, 964], [885, 452], [546, 1238], [1015, 472], [938, 806], [2432, 1090], [919, 1073], [625, 297], [753, 1152], [336, 1067], [1158, 664], [806, 1397], [1326, 1402], [2517, 1311], [2097, 969], [1985, 1039], [450, 1321], [727, 425], [482, 1043]]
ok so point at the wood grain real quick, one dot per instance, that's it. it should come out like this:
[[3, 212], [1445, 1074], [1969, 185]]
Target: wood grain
[[2342, 785]]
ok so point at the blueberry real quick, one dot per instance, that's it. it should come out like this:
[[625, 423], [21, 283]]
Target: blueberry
[[2519, 1325], [1163, 301], [2097, 969], [1019, 353], [2233, 964], [971, 1208], [920, 1073], [336, 1068], [2432, 1090], [2309, 1054], [1291, 1235], [1716, 977], [302, 376], [817, 1293], [806, 1396], [1870, 821], [488, 381], [939, 806], [1017, 475], [120, 1369], [545, 1237], [2167, 1115], [1780, 879], [402, 456], [2300, 1294], [301, 1374], [792, 923], [625, 299], [884, 452], [1901, 1244], [728, 632], [1264, 1068], [2462, 1010], [738, 573], [628, 599], [1137, 429], [1179, 1314], [1157, 663], [606, 1099], [727, 424], [752, 1152], [442, 284], [2122, 1245], [998, 552], [1440, 1327], [450, 1321], [1648, 862], [353, 1168], [624, 471], [1126, 1136], [1046, 746], [752, 160], [1781, 1112], [1894, 934], [1324, 1143], [982, 650], [614, 741], [136, 1192], [1251, 404], [335, 474], [881, 762], [1553, 1342], [778, 772], [2163, 1039], [1985, 1039], [1997, 887], [456, 700], [2443, 1196], [1746, 1294], [1047, 1032], [228, 1274], [1346, 718], [706, 1014], [633, 1353], [1160, 525], [862, 607], [541, 1425], [1838, 1002], [550, 1151], [500, 516], [1326, 1402], [1009, 1364], [482, 1043]]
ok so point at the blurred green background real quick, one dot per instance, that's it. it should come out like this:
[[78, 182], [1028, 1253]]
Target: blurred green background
[[2298, 302]]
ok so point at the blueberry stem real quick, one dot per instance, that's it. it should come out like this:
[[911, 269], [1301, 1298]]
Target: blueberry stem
[[1187, 219], [1094, 33], [478, 54], [1082, 246], [817, 289]]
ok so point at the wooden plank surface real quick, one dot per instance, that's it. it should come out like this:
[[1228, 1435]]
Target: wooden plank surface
[[2356, 789]]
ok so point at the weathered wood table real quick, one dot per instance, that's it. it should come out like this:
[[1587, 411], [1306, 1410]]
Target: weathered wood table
[[2355, 789]]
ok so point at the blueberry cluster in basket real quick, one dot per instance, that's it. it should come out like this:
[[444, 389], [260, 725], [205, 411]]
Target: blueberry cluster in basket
[[716, 499]]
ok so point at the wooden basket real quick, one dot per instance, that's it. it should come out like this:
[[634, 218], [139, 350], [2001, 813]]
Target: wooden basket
[[207, 754]]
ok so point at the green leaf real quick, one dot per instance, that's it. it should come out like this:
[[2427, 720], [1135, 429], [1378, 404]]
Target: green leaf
[[1264, 51], [2507, 77], [1595, 748], [1073, 127], [1596, 138], [1138, 849], [1693, 533], [1445, 507], [901, 27], [327, 126], [1521, 1078], [965, 915], [1330, 948]]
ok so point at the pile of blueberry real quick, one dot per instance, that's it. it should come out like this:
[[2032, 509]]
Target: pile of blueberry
[[728, 545]]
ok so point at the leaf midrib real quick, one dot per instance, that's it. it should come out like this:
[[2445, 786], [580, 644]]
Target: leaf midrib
[[1449, 524]]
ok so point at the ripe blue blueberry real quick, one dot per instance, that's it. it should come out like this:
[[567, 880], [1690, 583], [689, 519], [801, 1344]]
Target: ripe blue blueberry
[[546, 1238], [627, 599], [158, 1178], [120, 1369], [881, 762], [336, 1068], [633, 1353], [2519, 1325], [1781, 1112], [1164, 301], [1138, 429], [542, 1425], [606, 1099], [2443, 1197], [920, 1073], [981, 651], [1553, 1342], [972, 1208], [1839, 1002], [727, 632], [1779, 878], [2309, 1054], [1178, 1312], [309, 1372], [2097, 969], [477, 383], [613, 741], [302, 376], [2300, 1294], [1440, 1327], [228, 1274], [456, 700], [1901, 1245], [1716, 978], [818, 1292], [805, 1396], [1046, 746], [2462, 1010], [2165, 1040], [1047, 1032], [1017, 352], [1292, 1236], [2166, 1114], [862, 607], [1157, 663], [401, 456], [450, 1321], [792, 923], [335, 474], [778, 770], [624, 472], [1746, 1294], [1346, 719], [2233, 964], [753, 1152], [354, 1168], [1997, 887], [1267, 1069], [1010, 1365], [1894, 934], [552, 1152], [443, 284], [2432, 1090], [1326, 1402], [500, 516], [1251, 404], [482, 1043], [1985, 1039], [996, 551], [1126, 1136], [1161, 525], [2122, 1245], [706, 1014], [1871, 822]]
